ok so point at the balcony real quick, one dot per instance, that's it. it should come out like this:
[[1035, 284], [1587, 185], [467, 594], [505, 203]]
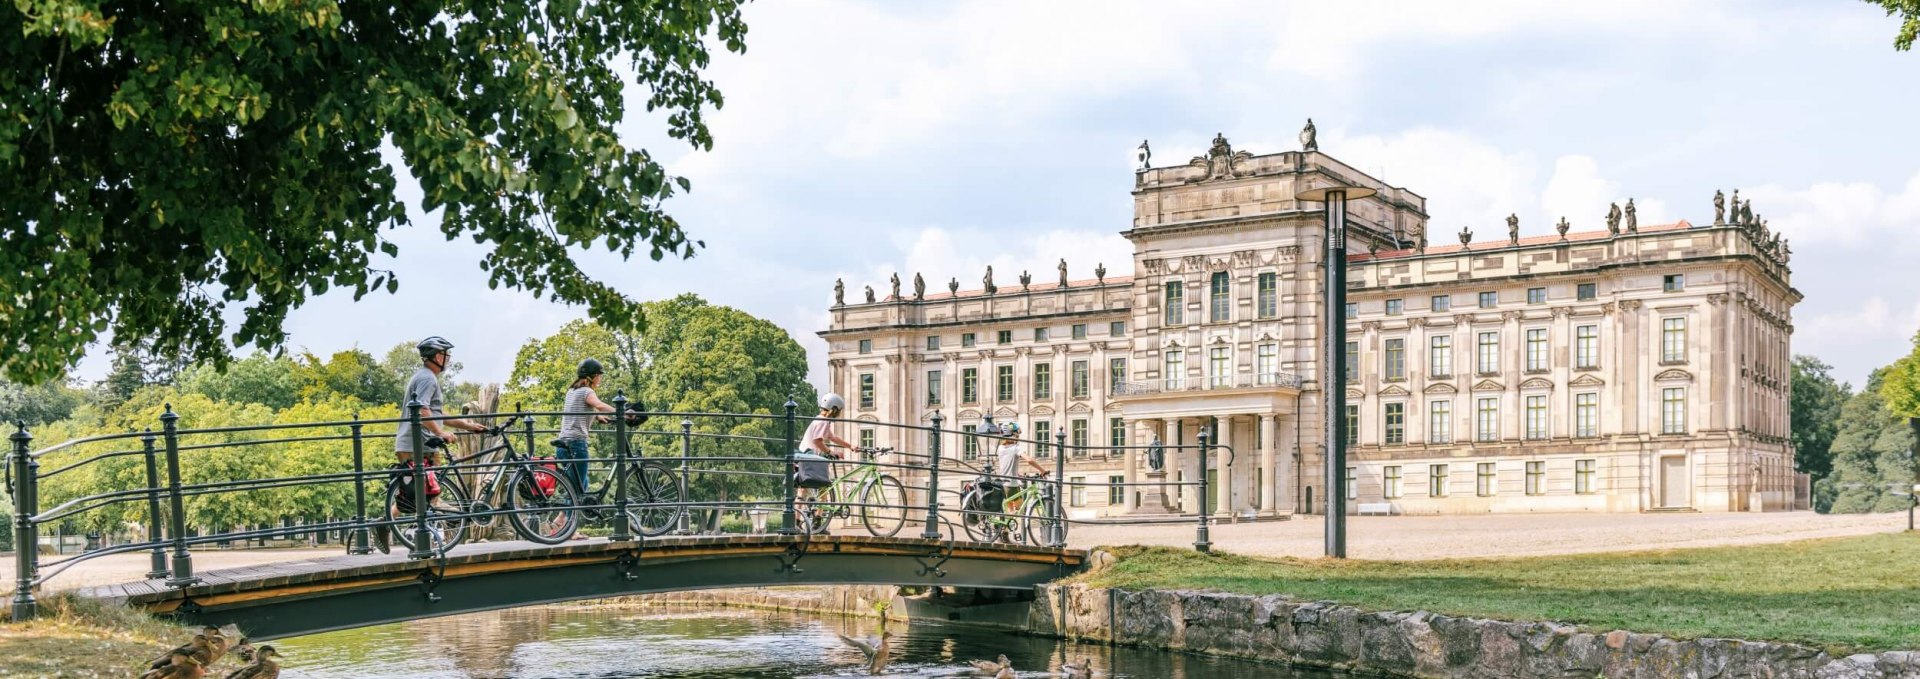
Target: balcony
[[1203, 384]]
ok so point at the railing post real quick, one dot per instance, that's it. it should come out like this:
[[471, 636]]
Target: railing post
[[686, 450], [1060, 488], [26, 536], [157, 568], [182, 560], [357, 538], [622, 522], [932, 529], [422, 538], [1200, 541], [786, 516], [526, 428]]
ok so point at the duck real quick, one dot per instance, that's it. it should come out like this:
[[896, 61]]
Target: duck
[[244, 649], [264, 666], [200, 649], [1079, 670], [877, 648], [217, 644], [990, 668], [188, 667]]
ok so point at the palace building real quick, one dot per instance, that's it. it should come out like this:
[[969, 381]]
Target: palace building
[[1637, 368]]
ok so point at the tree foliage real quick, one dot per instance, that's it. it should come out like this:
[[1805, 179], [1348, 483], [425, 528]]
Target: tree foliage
[[1872, 455], [267, 380], [164, 161], [35, 406], [1815, 412], [1908, 13], [351, 372]]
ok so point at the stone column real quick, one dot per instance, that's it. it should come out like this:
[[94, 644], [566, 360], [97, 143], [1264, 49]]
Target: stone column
[[1223, 502], [1269, 469], [1187, 462]]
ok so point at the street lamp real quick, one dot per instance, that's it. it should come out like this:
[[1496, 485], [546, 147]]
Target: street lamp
[[1334, 356]]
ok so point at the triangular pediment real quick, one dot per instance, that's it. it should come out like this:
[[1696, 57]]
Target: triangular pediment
[[1043, 410], [969, 414], [1586, 381], [1353, 394], [1115, 407], [1005, 412], [1537, 383], [1442, 388], [1673, 375], [1395, 390], [1079, 409], [1488, 385]]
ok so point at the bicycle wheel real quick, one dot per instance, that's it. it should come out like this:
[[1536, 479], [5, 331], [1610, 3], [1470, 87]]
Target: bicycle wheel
[[542, 504], [1045, 527], [883, 506], [447, 521], [653, 499], [976, 521]]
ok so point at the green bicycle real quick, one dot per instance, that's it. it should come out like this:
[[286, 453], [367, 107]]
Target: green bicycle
[[1028, 513], [879, 498]]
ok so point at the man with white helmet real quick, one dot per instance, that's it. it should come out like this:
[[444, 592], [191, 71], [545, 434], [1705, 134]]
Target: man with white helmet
[[424, 388]]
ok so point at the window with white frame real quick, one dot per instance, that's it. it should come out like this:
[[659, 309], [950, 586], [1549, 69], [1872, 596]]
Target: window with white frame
[[1395, 418], [1586, 347], [1394, 359], [1081, 379], [1116, 374], [1583, 476], [1079, 331], [1268, 297], [1077, 491], [1043, 435], [969, 385], [1485, 481], [1440, 421], [866, 390], [1394, 307], [1220, 298], [1441, 303], [1116, 436], [1390, 482], [1536, 477], [1673, 340], [1673, 410], [1116, 491], [866, 437], [1353, 425], [1003, 383], [1353, 483], [934, 387], [1041, 334], [866, 346], [1489, 358], [1487, 419], [1536, 295], [1489, 300], [1437, 480], [1173, 361], [969, 441], [1176, 303], [1219, 368], [1673, 282], [1536, 350], [1003, 337], [933, 342], [966, 340], [1353, 361], [1077, 436], [1266, 362], [1117, 328], [1042, 381], [1440, 356], [1586, 415], [1537, 427]]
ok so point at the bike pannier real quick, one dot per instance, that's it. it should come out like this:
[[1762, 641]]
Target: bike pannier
[[812, 471]]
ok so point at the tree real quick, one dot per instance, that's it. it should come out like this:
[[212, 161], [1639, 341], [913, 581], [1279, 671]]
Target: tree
[[135, 365], [1872, 455], [1815, 407], [544, 368], [1908, 12], [348, 373], [35, 406], [270, 381], [166, 160]]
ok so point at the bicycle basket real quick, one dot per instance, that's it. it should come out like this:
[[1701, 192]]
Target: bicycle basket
[[812, 471]]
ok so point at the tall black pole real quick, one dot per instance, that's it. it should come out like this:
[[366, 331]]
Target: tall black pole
[[158, 556], [26, 533], [1333, 385]]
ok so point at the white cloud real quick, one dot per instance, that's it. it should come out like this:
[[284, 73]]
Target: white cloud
[[1841, 214], [1467, 181]]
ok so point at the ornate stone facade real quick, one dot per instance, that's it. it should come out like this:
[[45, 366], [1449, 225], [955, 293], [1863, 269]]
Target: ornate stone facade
[[1621, 370]]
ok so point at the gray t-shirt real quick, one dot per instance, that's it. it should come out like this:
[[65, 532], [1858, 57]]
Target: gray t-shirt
[[572, 425], [425, 388]]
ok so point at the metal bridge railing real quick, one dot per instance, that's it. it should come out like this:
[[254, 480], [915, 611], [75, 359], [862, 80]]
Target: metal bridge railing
[[173, 482]]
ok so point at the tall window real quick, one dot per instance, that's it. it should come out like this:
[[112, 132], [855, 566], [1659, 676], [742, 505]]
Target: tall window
[[1673, 410], [1586, 415], [1395, 359], [1079, 331], [1394, 307], [969, 442], [934, 387], [1080, 377], [1487, 420], [1219, 368], [1003, 382], [1077, 496], [1353, 425], [1117, 328], [1268, 296], [1586, 346], [1176, 307], [1439, 421], [866, 346], [1266, 362], [1042, 381], [1536, 350], [866, 390], [1587, 291], [933, 342], [1116, 491], [1537, 417], [1537, 477], [1583, 476], [1220, 298], [1043, 433], [1116, 374], [1116, 436], [1441, 303], [1440, 356], [1390, 482], [1174, 367], [1536, 295], [1353, 361], [1003, 337], [1485, 482], [1396, 421], [1436, 480], [969, 385], [1353, 483], [1673, 340], [1077, 436], [1489, 300], [1489, 359]]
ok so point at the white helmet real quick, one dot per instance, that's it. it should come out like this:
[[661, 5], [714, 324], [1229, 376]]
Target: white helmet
[[832, 401]]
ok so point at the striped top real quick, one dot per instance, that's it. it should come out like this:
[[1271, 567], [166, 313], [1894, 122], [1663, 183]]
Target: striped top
[[575, 426]]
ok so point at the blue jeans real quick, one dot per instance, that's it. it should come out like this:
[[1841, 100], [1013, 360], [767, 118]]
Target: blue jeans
[[574, 463]]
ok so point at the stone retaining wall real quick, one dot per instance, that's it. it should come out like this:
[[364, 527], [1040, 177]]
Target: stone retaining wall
[[849, 600], [1277, 628]]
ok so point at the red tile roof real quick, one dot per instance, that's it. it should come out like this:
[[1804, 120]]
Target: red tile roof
[[1493, 246]]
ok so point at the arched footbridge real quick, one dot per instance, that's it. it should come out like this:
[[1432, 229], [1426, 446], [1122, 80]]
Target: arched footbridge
[[316, 595]]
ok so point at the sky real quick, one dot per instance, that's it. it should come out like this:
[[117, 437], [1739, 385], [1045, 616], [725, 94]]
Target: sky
[[863, 138]]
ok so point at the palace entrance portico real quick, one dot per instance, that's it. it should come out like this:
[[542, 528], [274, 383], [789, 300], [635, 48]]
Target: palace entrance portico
[[1256, 417]]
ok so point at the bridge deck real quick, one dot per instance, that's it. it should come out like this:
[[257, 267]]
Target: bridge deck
[[297, 597]]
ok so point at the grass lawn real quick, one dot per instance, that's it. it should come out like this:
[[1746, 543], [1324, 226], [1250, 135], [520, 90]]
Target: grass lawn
[[1843, 594], [74, 638]]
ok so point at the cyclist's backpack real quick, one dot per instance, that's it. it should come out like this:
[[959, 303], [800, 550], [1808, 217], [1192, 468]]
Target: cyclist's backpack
[[544, 484], [812, 471]]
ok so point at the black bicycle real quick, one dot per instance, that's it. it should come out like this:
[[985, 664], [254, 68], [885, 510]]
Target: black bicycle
[[653, 495], [537, 496]]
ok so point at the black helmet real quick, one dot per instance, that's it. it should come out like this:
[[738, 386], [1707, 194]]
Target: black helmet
[[433, 345], [589, 368]]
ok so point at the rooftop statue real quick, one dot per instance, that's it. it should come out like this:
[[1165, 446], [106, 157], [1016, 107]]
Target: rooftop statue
[[1513, 229], [1563, 227], [919, 286], [1100, 273], [1144, 157], [1633, 218], [1613, 218], [1466, 237], [1025, 280], [1063, 272], [896, 286], [1719, 207], [839, 292], [1307, 137], [869, 294], [987, 281], [953, 286]]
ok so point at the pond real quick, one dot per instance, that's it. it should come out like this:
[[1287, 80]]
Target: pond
[[611, 641]]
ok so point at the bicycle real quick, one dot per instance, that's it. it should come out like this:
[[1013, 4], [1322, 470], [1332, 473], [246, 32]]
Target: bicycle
[[538, 497], [1037, 524], [653, 496], [882, 500]]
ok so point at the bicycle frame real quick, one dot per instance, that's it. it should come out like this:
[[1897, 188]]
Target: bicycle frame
[[831, 498]]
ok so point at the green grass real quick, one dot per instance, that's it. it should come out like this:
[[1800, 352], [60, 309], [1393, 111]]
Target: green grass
[[76, 637], [1843, 595]]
